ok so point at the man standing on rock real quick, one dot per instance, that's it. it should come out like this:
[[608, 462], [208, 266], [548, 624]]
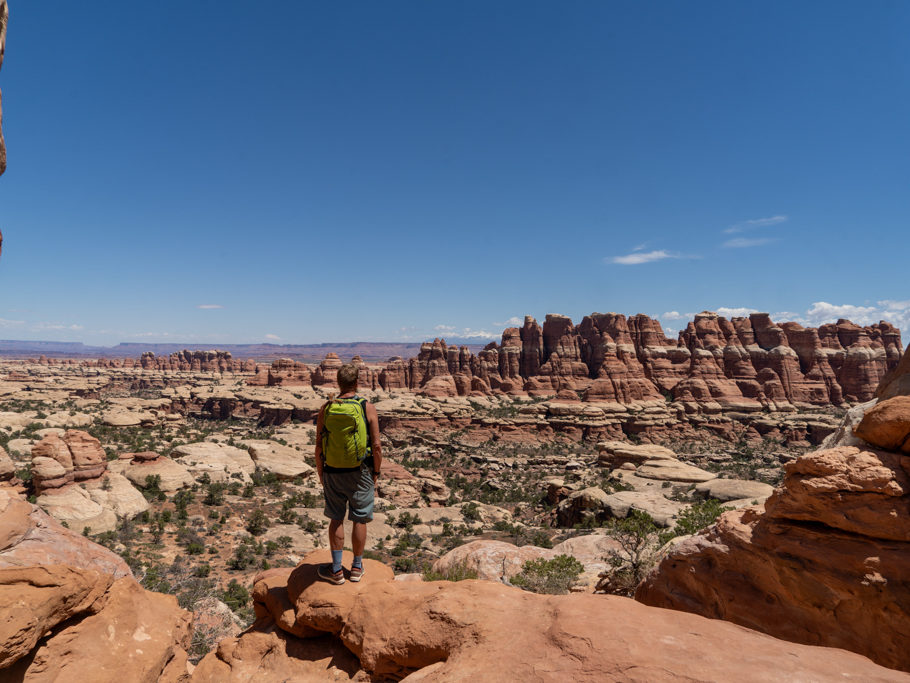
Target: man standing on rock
[[348, 461]]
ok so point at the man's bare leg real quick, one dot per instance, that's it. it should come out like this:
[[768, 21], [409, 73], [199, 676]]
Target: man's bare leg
[[358, 538], [336, 534]]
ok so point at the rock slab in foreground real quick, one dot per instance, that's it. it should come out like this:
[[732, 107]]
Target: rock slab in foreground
[[480, 630], [825, 563]]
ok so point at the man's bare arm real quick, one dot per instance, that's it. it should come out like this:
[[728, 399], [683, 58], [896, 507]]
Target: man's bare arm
[[373, 425]]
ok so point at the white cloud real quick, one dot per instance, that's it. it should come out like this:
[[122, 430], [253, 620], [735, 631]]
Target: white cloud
[[821, 312], [745, 242], [639, 257], [38, 327], [444, 328], [273, 337], [514, 321], [756, 223], [208, 307], [468, 333], [676, 315], [10, 323], [734, 312]]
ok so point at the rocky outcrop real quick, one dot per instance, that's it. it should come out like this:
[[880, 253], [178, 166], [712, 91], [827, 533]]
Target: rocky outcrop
[[72, 483], [138, 467], [480, 630], [743, 364], [180, 361], [29, 536], [65, 623], [825, 561], [219, 461]]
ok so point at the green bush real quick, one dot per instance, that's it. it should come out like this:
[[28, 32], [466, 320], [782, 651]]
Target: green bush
[[554, 577], [235, 596], [457, 572], [258, 522]]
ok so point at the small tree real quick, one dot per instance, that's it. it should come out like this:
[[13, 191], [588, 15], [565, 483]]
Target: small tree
[[554, 576], [637, 537], [258, 522]]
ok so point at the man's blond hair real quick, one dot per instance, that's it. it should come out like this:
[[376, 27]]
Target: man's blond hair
[[347, 377]]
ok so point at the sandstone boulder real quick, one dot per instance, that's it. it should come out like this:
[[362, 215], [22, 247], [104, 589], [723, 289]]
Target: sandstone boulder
[[887, 424], [492, 560], [221, 462], [824, 563], [107, 630], [173, 476], [29, 536], [282, 461], [673, 470], [480, 630], [726, 490], [74, 506]]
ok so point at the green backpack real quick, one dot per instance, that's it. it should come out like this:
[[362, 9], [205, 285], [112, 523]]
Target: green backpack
[[345, 440]]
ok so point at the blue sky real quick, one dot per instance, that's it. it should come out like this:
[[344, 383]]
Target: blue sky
[[300, 172]]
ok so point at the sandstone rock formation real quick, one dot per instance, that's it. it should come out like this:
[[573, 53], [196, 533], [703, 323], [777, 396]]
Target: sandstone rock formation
[[825, 561], [480, 630], [739, 364], [499, 561], [29, 536], [137, 467], [220, 461], [282, 461], [64, 623], [72, 483]]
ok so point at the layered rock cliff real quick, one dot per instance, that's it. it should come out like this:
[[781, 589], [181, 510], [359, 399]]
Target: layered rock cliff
[[740, 364], [825, 561]]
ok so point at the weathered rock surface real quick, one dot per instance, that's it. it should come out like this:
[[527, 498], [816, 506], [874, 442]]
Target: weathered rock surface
[[100, 628], [499, 561], [824, 563], [221, 462], [173, 476], [887, 424], [73, 484], [734, 489], [480, 630], [282, 461], [29, 536]]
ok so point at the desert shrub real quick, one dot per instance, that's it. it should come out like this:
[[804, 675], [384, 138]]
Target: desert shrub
[[258, 522], [235, 596], [698, 516], [214, 494], [554, 577], [457, 572], [638, 539], [471, 512]]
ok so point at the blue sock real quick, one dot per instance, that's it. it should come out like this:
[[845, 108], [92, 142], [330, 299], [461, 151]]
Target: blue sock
[[336, 560], [358, 561]]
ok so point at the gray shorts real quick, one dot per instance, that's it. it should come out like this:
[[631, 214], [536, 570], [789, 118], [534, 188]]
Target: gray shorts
[[353, 490]]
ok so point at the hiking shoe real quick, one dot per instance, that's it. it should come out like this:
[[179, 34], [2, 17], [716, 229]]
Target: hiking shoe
[[325, 572], [356, 574]]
